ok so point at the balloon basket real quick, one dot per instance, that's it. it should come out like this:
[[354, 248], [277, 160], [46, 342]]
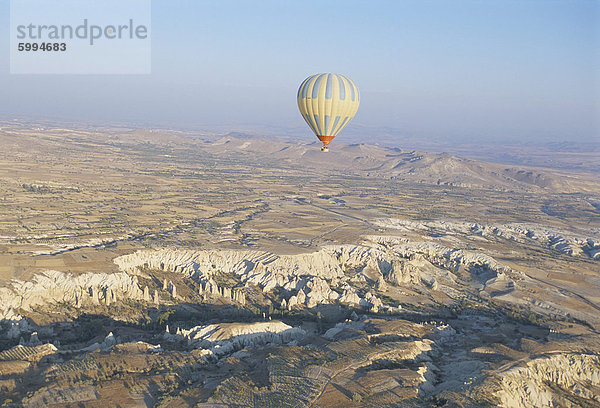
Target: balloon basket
[[324, 149]]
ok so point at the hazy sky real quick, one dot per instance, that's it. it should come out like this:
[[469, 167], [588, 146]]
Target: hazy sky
[[480, 69]]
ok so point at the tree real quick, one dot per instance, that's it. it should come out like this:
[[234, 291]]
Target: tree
[[164, 317]]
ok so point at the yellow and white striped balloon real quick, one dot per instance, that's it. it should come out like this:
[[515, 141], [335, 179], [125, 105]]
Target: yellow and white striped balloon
[[327, 102]]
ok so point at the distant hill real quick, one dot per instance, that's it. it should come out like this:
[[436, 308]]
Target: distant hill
[[394, 163]]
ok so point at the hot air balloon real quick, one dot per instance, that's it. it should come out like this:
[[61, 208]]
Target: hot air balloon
[[327, 102]]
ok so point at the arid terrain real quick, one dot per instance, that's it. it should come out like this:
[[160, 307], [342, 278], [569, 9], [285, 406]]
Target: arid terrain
[[185, 269]]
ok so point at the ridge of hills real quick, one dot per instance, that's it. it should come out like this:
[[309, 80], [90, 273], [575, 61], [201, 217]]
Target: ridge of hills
[[394, 163], [365, 160]]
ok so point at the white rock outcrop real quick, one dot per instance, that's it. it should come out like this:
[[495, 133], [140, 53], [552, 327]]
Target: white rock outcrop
[[431, 262], [225, 338], [527, 386], [340, 327], [109, 341], [562, 241], [52, 287], [308, 276]]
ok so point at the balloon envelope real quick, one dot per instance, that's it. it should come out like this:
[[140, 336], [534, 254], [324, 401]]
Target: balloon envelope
[[327, 102]]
